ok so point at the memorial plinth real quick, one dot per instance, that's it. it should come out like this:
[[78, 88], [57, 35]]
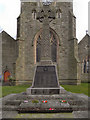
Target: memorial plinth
[[45, 79]]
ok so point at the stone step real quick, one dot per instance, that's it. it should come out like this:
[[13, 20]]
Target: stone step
[[9, 115], [49, 104], [39, 110], [17, 102], [27, 97], [73, 107], [13, 102], [80, 108], [77, 102], [9, 108]]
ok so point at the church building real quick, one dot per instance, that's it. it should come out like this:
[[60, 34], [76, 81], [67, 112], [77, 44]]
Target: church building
[[21, 56]]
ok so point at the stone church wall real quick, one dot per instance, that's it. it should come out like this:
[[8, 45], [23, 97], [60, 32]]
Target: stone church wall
[[9, 54], [19, 56], [64, 27], [0, 55], [84, 55]]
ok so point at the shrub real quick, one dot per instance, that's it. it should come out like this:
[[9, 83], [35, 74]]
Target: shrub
[[12, 81]]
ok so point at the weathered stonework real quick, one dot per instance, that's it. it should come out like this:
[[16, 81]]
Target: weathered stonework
[[19, 56], [0, 55], [8, 53], [67, 52], [84, 53]]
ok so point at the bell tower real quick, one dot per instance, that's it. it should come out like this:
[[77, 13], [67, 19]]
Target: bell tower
[[46, 35]]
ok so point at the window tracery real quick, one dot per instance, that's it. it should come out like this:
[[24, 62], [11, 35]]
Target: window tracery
[[58, 13], [53, 42], [34, 14], [85, 65]]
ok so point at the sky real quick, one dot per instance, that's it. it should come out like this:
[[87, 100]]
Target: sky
[[10, 10]]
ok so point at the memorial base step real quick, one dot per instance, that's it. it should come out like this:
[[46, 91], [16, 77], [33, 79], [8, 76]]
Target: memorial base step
[[43, 91]]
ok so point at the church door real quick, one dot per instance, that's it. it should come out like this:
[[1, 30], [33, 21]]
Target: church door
[[6, 76]]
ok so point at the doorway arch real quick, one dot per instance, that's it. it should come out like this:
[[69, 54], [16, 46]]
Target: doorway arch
[[6, 76]]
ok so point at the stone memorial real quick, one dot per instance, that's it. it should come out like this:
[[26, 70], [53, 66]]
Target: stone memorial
[[45, 78], [41, 97]]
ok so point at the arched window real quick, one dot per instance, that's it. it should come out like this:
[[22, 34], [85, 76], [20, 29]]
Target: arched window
[[38, 49], [85, 65], [53, 42], [84, 70], [34, 14], [58, 13]]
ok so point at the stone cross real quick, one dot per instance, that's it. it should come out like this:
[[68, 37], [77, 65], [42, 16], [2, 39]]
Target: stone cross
[[45, 79], [45, 16]]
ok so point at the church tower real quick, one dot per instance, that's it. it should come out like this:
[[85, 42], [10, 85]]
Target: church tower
[[63, 42]]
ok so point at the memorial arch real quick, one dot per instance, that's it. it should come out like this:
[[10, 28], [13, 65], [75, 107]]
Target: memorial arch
[[54, 41]]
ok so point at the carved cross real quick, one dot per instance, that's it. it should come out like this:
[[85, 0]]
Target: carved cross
[[46, 15]]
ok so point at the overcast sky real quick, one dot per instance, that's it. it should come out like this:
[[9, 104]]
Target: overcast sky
[[10, 10]]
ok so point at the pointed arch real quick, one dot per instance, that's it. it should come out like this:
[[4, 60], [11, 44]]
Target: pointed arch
[[55, 43], [58, 13], [34, 14]]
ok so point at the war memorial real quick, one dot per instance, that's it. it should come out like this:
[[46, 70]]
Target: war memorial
[[47, 57]]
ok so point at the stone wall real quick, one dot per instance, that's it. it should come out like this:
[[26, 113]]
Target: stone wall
[[19, 56], [64, 27], [83, 50], [9, 54], [0, 55]]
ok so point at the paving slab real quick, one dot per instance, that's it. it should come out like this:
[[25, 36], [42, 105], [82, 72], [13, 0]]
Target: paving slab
[[9, 114], [45, 115], [80, 114]]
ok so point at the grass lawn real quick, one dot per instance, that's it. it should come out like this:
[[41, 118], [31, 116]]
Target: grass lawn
[[83, 88], [14, 89]]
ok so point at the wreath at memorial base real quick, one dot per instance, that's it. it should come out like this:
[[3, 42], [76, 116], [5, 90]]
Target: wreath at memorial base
[[44, 101], [63, 101]]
